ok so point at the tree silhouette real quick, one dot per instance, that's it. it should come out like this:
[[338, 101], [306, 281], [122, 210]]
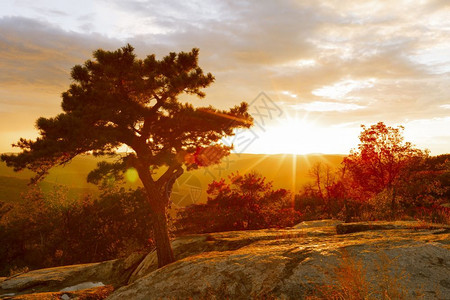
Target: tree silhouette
[[319, 198], [117, 99]]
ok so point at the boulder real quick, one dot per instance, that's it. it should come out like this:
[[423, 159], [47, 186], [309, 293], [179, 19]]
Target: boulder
[[96, 293], [113, 272], [190, 245], [317, 223], [344, 228]]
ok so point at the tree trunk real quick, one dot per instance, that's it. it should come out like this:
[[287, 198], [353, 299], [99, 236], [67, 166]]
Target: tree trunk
[[162, 240], [158, 203], [393, 203], [347, 213]]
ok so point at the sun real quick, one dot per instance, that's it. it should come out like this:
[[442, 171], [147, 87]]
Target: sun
[[302, 134], [291, 134]]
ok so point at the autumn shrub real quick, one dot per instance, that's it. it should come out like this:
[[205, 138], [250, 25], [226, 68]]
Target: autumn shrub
[[46, 231], [244, 202], [433, 214], [24, 229]]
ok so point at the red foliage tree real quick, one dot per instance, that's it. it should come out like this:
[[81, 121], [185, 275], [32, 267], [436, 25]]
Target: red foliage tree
[[380, 160], [424, 188]]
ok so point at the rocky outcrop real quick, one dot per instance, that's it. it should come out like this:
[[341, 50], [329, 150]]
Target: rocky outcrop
[[96, 293], [409, 259], [344, 228], [69, 278], [317, 223], [290, 264], [195, 244]]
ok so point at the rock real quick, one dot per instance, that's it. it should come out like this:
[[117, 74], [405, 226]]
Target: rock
[[408, 259], [317, 223], [290, 264], [96, 293], [226, 241], [82, 286], [113, 272], [182, 247], [344, 228], [358, 227]]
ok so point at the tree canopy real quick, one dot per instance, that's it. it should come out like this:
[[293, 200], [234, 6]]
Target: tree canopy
[[380, 157], [117, 99], [380, 160]]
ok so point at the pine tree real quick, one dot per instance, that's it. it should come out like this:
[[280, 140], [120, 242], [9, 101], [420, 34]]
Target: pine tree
[[117, 99]]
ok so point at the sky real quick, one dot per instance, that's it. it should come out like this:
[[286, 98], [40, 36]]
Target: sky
[[313, 71]]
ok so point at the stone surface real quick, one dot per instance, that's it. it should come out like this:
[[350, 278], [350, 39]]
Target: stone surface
[[344, 228], [96, 293], [290, 264], [195, 244], [113, 272], [282, 264], [317, 223]]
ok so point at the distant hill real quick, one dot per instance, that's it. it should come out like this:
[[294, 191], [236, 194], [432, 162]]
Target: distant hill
[[285, 170], [12, 188], [73, 176]]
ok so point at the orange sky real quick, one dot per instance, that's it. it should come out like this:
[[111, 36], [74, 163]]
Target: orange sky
[[325, 67]]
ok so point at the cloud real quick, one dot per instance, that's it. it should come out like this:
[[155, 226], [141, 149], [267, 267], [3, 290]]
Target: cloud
[[338, 61], [36, 58], [429, 133], [322, 106], [38, 53], [342, 89]]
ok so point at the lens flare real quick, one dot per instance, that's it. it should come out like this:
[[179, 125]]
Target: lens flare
[[131, 175]]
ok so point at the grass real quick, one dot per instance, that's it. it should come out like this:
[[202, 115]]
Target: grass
[[349, 281]]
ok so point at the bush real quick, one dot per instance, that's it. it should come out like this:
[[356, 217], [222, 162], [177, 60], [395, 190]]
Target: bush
[[245, 202], [51, 231]]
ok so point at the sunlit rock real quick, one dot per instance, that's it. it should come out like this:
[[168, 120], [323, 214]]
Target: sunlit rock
[[408, 258], [113, 272]]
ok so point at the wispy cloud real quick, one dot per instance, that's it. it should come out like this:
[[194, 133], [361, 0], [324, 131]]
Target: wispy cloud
[[340, 61], [321, 106]]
